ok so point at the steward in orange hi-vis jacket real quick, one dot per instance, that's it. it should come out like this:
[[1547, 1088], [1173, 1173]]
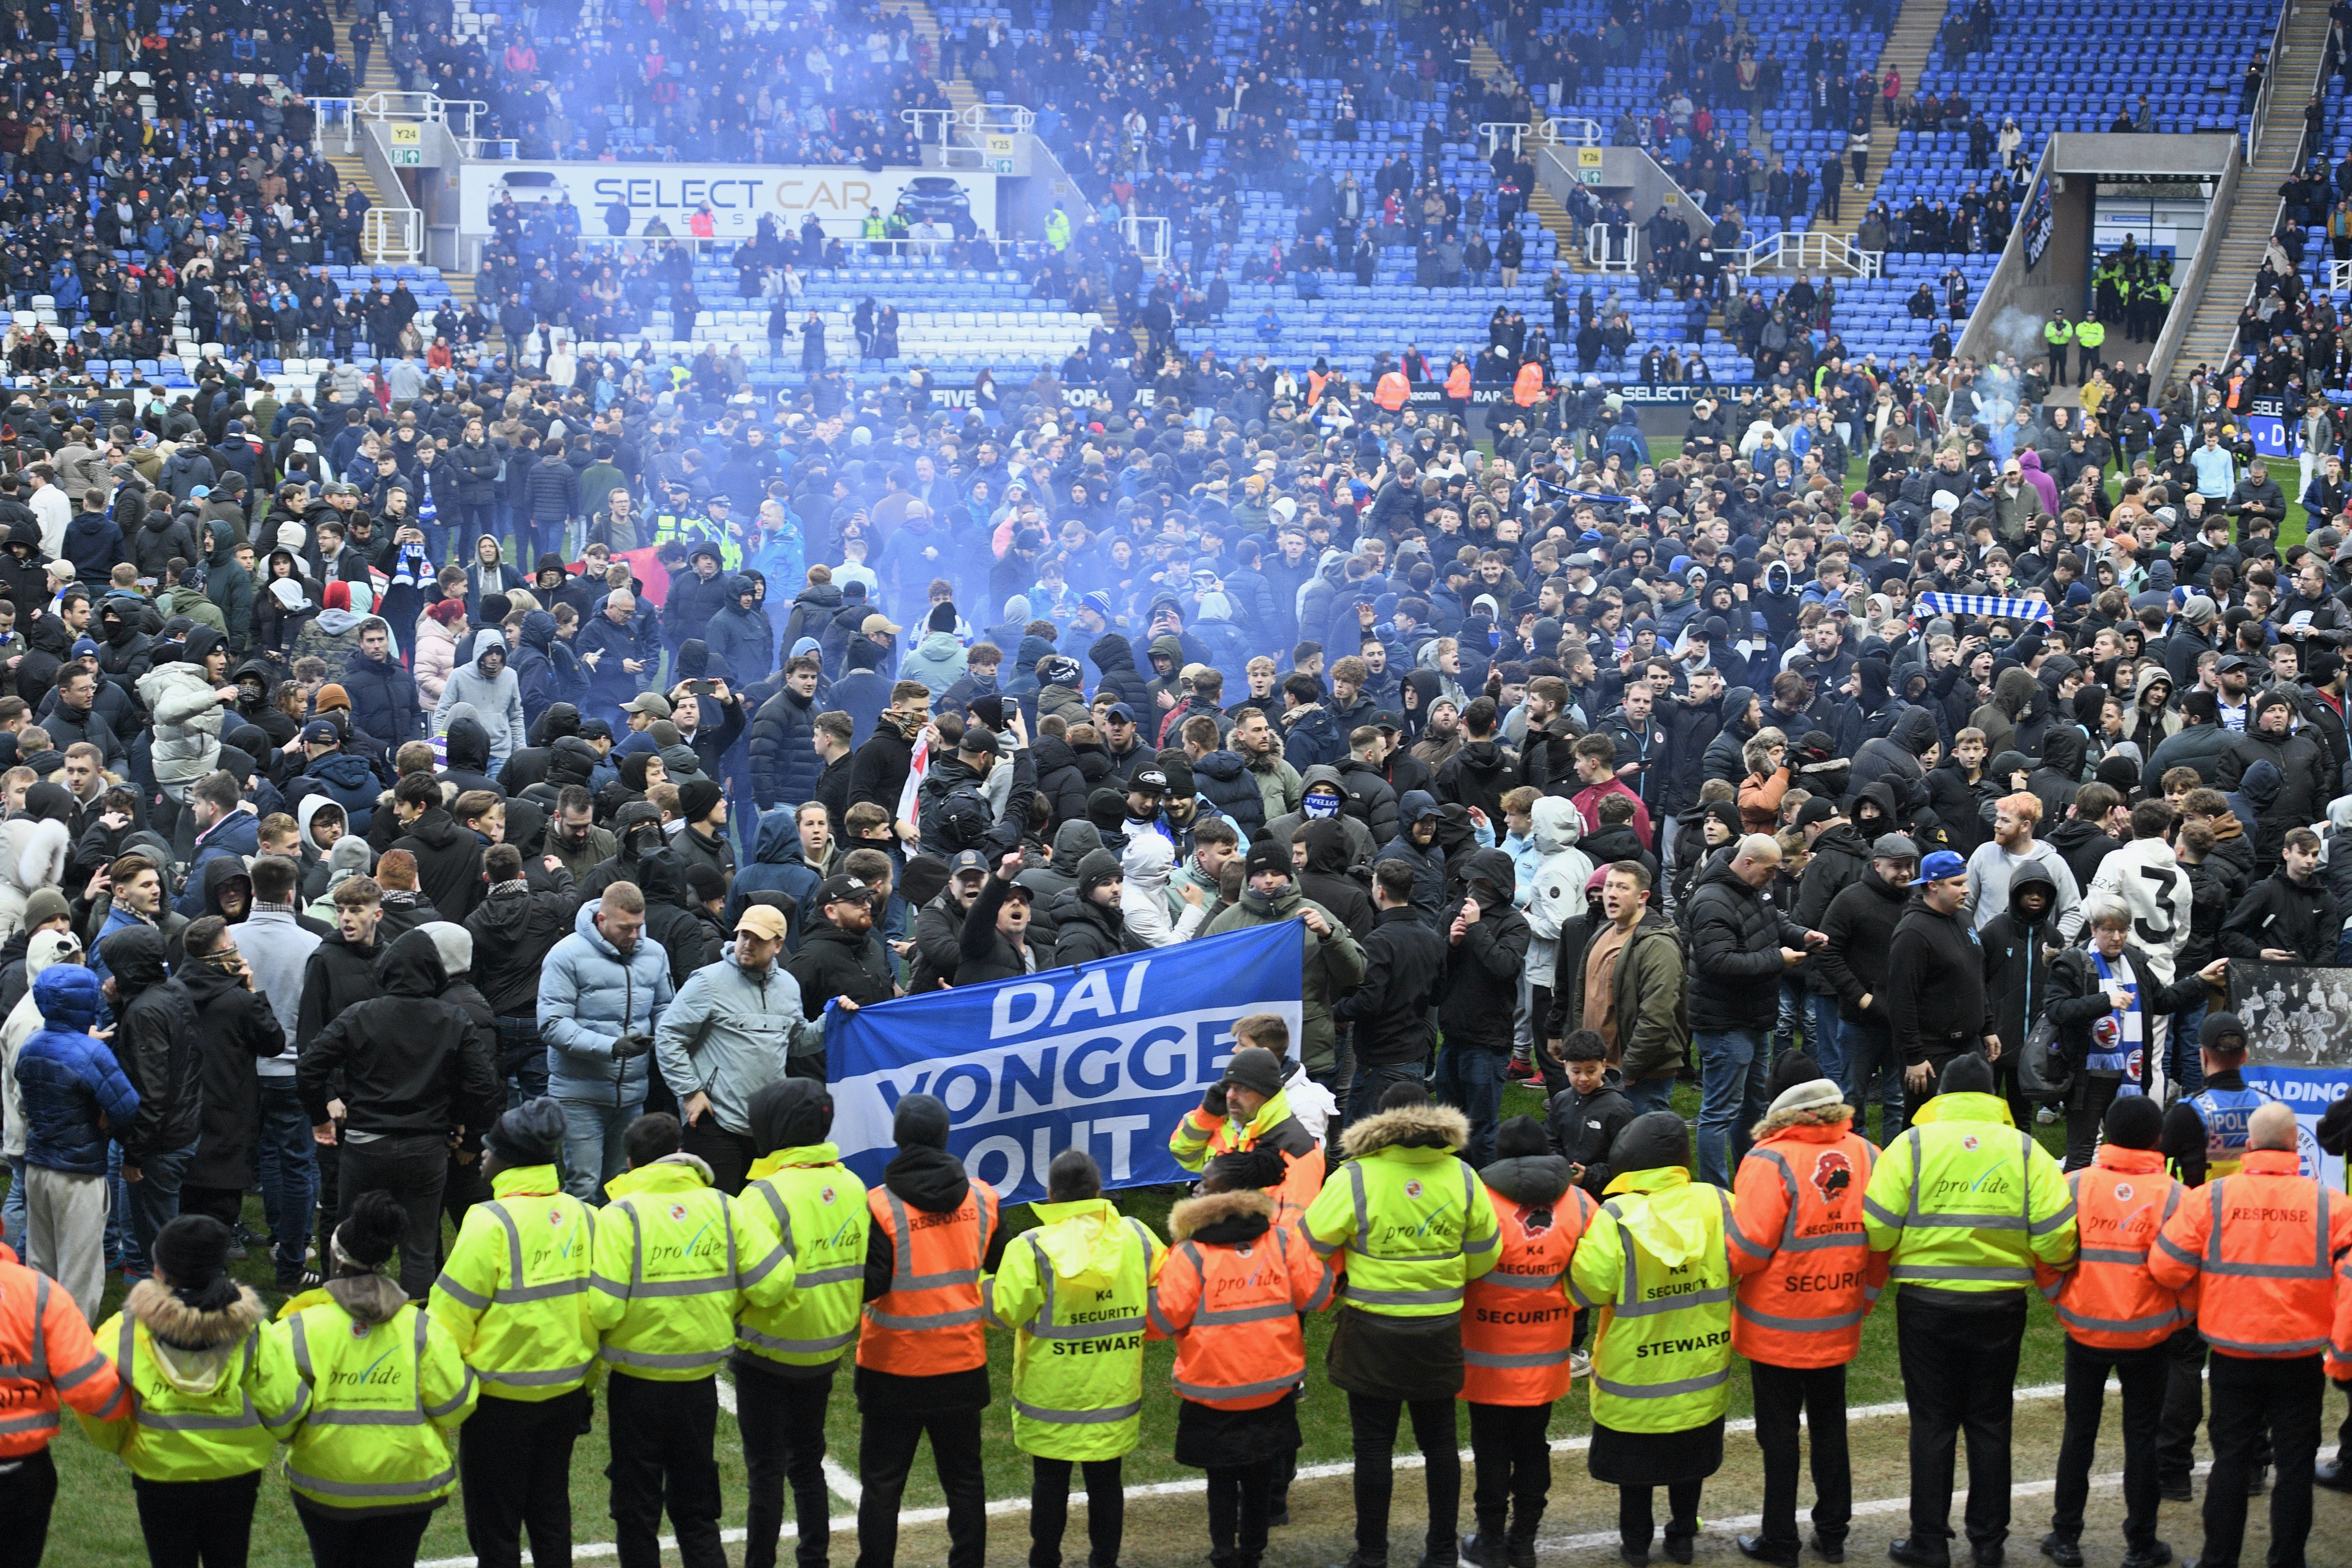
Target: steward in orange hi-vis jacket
[[1230, 1293], [1807, 1280], [1516, 1322], [45, 1354]]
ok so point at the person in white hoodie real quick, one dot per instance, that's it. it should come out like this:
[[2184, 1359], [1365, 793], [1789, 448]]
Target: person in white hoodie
[[1144, 900], [48, 947], [487, 683], [1550, 893]]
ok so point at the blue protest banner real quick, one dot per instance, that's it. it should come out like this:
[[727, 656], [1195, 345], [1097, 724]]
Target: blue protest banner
[[1102, 1056]]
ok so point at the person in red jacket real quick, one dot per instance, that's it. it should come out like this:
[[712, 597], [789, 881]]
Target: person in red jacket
[[1230, 1293], [1807, 1280], [46, 1355], [2272, 1240], [2117, 1316]]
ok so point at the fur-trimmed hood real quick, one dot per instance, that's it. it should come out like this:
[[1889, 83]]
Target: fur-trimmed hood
[[1408, 1127], [1193, 1216], [196, 1350], [1808, 1116]]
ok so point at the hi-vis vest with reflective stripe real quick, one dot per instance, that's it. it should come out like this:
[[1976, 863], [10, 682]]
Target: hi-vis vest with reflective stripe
[[514, 1292], [1662, 1350], [1234, 1310], [930, 1320], [819, 1216], [38, 1314], [173, 1435], [385, 1401], [2261, 1246], [1967, 1204], [1077, 1354], [2110, 1300], [1807, 1276], [675, 1263], [1416, 1226], [1516, 1318]]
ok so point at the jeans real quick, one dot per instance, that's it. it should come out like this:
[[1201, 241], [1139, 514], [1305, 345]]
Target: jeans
[[2142, 1374], [290, 1173], [1874, 1067], [155, 1202], [1796, 1010], [592, 1144], [12, 1212], [522, 1060], [2253, 1398], [783, 1423], [1371, 1081], [2183, 1065], [1732, 1070], [1470, 1079], [1825, 1037], [1375, 1429], [1960, 1366], [1818, 1393], [1651, 1094]]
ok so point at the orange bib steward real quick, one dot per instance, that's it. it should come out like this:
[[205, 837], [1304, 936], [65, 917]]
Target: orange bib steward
[[2110, 1300], [1527, 386], [929, 1321], [1233, 1307], [1516, 1319], [1807, 1276], [1393, 392], [1457, 382], [45, 1351], [2263, 1246]]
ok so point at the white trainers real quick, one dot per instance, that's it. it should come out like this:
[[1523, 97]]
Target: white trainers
[[1580, 1363]]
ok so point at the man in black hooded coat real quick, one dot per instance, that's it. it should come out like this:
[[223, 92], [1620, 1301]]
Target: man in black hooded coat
[[155, 1041]]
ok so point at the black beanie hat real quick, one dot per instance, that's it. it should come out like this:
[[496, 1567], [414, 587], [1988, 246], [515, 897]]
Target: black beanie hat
[[1096, 867], [1790, 1068], [1967, 1073], [530, 1134], [1520, 1137], [695, 798], [1238, 1168], [1267, 856], [191, 1252], [1652, 1141], [943, 617], [2133, 1121], [921, 1122]]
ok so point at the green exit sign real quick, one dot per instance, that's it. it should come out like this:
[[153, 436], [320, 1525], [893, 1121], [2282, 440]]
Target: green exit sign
[[408, 157]]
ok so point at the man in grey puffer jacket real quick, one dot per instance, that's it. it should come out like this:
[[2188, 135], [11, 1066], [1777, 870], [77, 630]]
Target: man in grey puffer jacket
[[601, 992], [733, 1026], [496, 697]]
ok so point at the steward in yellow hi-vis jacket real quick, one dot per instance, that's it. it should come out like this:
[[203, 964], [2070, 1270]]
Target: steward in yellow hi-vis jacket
[[1075, 1291], [514, 1296], [677, 1261], [1966, 1205]]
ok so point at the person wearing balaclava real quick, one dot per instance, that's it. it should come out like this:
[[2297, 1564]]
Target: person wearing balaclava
[[522, 1320], [786, 1357], [1660, 1378], [1802, 1305], [212, 1394], [1944, 1203], [2118, 1318], [367, 1477], [922, 1358]]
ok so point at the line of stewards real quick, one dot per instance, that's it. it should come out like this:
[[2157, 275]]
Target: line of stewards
[[2266, 1247], [1230, 1291], [1075, 1291], [676, 1262], [207, 1394], [1656, 1263], [1249, 1107], [1518, 1324], [2117, 1319], [922, 1354], [514, 1297], [1410, 1226], [1808, 1281], [1966, 1205]]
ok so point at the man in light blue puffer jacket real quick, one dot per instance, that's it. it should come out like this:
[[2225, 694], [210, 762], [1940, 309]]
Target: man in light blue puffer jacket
[[601, 992]]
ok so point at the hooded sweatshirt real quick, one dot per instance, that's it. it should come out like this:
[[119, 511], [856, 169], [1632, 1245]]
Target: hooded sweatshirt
[[497, 698], [1153, 915]]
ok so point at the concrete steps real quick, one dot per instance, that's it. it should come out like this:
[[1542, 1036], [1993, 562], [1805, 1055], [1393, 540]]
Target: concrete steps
[[1906, 49]]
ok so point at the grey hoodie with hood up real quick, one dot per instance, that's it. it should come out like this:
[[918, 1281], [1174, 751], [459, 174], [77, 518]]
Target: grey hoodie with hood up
[[497, 698]]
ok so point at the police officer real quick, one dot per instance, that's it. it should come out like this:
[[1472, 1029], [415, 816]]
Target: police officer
[[2117, 1318], [676, 1262], [922, 1360], [1074, 1292], [386, 1393], [2263, 1246], [2059, 333], [514, 1297], [1807, 1279], [1517, 1323], [1230, 1295], [196, 1437], [801, 1195], [2089, 332], [2204, 1139], [1656, 1261], [1415, 1227], [1966, 1205]]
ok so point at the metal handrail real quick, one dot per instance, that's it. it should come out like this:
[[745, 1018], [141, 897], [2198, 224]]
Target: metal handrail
[[1598, 248], [2270, 83], [1493, 130], [1809, 251], [392, 233], [2302, 136], [1561, 128], [984, 118], [1148, 235]]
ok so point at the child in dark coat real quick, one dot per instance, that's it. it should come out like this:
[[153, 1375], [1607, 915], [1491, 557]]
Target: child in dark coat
[[1586, 1117]]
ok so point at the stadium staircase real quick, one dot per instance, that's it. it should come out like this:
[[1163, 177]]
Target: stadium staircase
[[2254, 216], [352, 168], [926, 21], [1906, 48], [1486, 65]]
